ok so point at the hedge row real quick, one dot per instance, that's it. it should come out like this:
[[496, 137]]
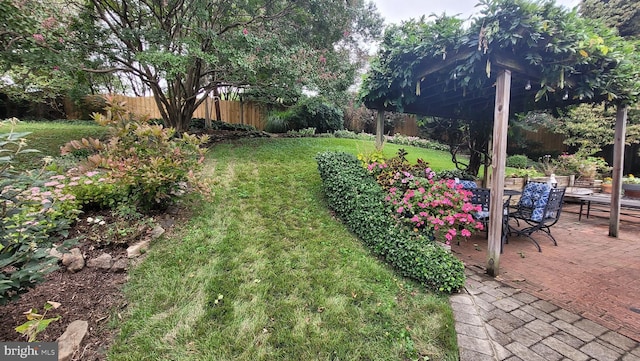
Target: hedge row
[[395, 139], [359, 201]]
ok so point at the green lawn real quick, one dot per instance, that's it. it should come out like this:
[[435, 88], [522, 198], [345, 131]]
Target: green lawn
[[48, 137], [263, 271]]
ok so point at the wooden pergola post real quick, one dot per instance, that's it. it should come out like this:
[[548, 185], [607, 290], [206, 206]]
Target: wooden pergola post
[[380, 130], [618, 163], [498, 160]]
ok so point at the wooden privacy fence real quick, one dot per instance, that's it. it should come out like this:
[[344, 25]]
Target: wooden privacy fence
[[233, 112]]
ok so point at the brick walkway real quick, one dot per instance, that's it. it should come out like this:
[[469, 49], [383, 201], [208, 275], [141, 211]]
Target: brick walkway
[[589, 283]]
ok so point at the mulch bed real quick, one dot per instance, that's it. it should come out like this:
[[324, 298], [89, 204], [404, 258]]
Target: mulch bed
[[92, 295]]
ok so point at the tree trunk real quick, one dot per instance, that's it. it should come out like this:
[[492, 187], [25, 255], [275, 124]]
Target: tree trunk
[[216, 102], [207, 113], [479, 148]]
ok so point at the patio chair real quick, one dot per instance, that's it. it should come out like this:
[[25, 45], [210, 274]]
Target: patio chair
[[539, 209], [482, 197]]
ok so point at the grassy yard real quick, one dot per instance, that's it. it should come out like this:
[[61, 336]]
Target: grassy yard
[[48, 137], [263, 271]]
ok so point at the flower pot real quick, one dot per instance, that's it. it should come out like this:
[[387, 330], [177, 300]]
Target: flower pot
[[606, 188], [631, 190]]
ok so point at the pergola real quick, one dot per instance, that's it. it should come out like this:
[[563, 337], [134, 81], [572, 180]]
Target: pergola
[[484, 79]]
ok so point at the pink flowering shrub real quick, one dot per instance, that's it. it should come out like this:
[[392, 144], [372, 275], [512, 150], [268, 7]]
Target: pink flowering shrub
[[432, 207], [149, 164], [440, 207]]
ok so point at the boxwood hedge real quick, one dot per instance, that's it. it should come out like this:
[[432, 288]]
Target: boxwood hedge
[[359, 201]]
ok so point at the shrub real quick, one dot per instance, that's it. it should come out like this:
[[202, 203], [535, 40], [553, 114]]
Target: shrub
[[359, 201], [34, 213], [198, 124], [519, 161], [395, 139], [149, 163], [440, 207], [307, 132], [347, 134], [316, 113], [277, 122], [416, 142], [95, 190], [453, 174], [523, 173]]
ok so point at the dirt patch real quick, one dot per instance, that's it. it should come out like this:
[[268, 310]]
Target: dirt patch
[[92, 295]]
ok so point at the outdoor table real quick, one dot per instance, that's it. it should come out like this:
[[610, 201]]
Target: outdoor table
[[606, 200]]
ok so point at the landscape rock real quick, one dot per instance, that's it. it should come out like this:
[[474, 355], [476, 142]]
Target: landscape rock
[[120, 265], [167, 221], [103, 261], [74, 261], [137, 249], [53, 252], [173, 210], [157, 231], [71, 339]]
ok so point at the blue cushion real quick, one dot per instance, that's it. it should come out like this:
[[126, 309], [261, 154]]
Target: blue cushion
[[466, 184], [535, 197]]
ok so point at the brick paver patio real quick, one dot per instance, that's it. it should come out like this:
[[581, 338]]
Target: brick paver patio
[[589, 274]]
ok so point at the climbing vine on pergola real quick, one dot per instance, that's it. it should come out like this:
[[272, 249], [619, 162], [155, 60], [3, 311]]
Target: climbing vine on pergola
[[441, 68], [517, 56]]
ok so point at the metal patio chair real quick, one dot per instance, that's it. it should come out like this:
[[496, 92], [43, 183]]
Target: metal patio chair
[[539, 209]]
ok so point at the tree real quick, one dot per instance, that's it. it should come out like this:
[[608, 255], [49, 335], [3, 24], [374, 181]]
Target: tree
[[621, 14], [464, 138], [590, 128], [182, 50], [31, 41]]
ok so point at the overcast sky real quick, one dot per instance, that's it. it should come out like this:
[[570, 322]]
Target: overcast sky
[[394, 11]]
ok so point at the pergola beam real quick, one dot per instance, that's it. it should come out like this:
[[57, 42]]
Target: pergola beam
[[445, 63]]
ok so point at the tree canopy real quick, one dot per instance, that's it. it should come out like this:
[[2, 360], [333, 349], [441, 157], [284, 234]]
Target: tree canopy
[[621, 14], [32, 37], [184, 49], [439, 67]]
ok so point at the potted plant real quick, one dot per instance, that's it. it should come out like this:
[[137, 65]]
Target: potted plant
[[631, 186], [606, 185]]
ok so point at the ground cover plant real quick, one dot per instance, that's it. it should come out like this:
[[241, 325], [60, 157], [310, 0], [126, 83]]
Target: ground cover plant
[[264, 271], [34, 214]]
